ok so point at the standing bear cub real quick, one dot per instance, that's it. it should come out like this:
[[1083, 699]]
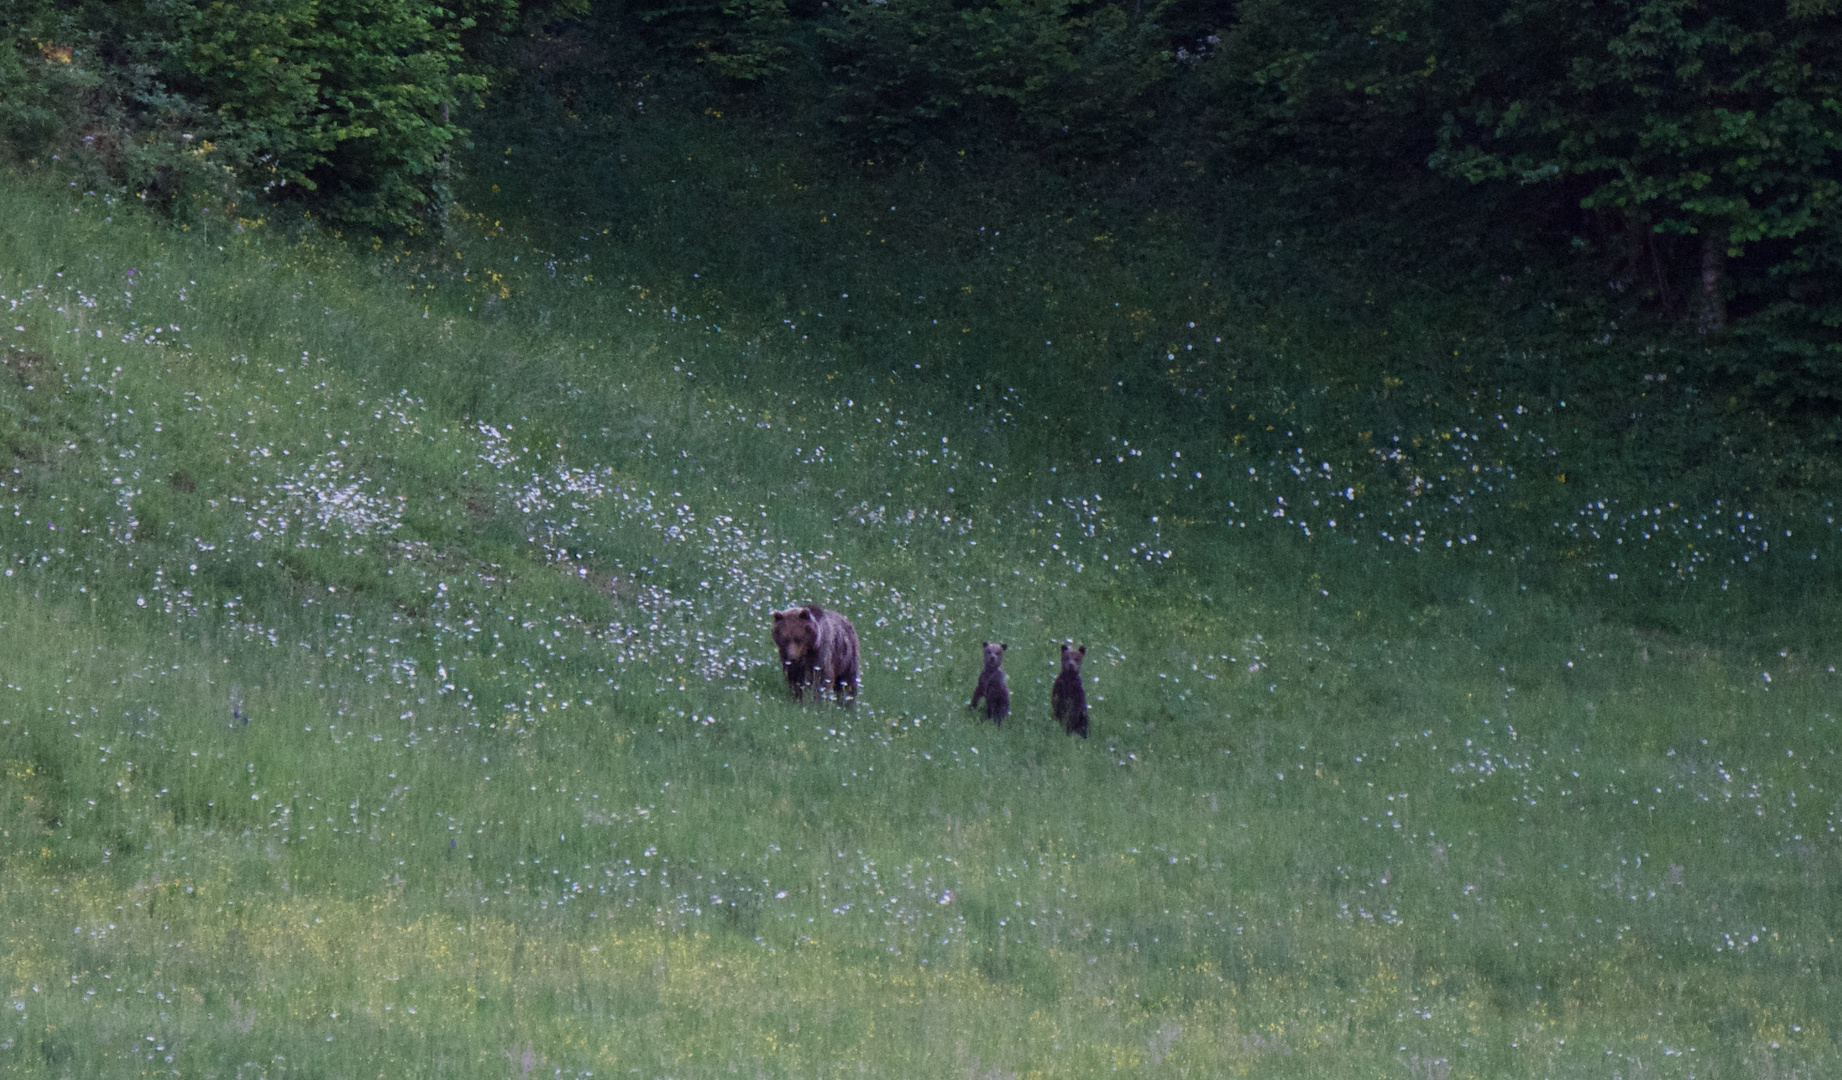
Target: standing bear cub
[[819, 646], [1068, 697], [993, 686]]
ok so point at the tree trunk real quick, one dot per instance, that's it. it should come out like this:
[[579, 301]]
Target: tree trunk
[[444, 187], [1713, 315], [1656, 262]]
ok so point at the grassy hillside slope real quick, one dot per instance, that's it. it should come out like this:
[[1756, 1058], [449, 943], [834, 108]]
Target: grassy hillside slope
[[389, 686]]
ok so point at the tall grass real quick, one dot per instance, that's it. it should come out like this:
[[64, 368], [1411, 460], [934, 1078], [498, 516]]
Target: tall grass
[[390, 685]]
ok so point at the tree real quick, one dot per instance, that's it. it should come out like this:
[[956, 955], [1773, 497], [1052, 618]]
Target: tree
[[1696, 144], [1720, 122], [346, 106], [348, 101]]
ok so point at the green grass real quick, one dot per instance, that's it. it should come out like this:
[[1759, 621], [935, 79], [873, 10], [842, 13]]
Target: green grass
[[407, 706]]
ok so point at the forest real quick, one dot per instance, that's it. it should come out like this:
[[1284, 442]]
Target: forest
[[1674, 161]]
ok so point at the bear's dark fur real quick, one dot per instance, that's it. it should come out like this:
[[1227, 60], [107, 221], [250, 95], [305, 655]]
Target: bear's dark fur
[[1068, 697], [993, 686], [817, 646]]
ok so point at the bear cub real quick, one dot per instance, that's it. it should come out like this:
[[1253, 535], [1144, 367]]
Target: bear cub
[[993, 686], [1068, 697], [817, 646]]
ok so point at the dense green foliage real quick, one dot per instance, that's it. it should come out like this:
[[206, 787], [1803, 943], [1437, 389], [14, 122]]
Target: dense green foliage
[[1684, 158], [347, 105], [1702, 141]]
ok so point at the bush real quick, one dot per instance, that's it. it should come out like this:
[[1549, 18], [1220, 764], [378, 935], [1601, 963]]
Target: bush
[[345, 106]]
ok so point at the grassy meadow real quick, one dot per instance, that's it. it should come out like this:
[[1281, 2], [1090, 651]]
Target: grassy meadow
[[388, 689]]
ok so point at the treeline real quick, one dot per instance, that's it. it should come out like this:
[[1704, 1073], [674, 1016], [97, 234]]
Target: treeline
[[1682, 156]]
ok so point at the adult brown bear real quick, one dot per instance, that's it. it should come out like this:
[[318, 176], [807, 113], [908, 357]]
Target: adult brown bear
[[817, 646]]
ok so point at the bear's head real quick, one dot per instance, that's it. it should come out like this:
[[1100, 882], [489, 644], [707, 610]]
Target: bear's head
[[994, 653], [795, 634], [1071, 658]]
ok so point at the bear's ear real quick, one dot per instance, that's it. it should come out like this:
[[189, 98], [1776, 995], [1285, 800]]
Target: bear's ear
[[780, 616], [1082, 651], [813, 611], [1004, 648], [1066, 650]]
